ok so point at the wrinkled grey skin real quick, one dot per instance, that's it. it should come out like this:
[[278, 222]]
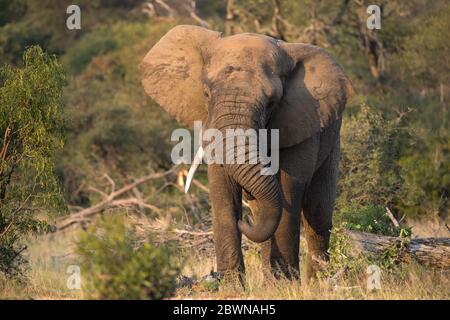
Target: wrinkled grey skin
[[253, 81]]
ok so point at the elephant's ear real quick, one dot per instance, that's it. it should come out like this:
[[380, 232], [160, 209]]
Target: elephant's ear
[[314, 94], [171, 72]]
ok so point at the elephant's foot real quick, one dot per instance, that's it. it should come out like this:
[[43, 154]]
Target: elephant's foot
[[281, 271], [277, 265], [315, 262], [232, 279]]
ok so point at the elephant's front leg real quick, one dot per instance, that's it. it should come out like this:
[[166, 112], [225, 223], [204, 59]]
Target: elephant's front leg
[[226, 202], [280, 254]]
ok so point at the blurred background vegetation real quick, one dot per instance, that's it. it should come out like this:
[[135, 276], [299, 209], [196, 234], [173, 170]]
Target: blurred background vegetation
[[395, 137]]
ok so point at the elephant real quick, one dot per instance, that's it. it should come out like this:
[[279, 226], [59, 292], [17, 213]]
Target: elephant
[[256, 81]]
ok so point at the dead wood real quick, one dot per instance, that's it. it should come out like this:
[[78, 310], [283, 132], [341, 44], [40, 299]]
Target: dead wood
[[433, 252]]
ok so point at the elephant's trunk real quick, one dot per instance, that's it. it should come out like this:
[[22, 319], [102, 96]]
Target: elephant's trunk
[[266, 191], [264, 188]]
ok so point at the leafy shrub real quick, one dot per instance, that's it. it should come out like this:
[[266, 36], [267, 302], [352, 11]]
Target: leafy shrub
[[341, 255], [369, 170], [368, 218], [426, 49], [426, 172], [118, 267], [31, 131]]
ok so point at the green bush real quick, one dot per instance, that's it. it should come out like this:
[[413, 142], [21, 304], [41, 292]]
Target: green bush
[[426, 172], [117, 266], [425, 56], [371, 148], [31, 132], [368, 218]]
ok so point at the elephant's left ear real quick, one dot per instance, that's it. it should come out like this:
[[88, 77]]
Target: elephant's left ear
[[314, 94], [172, 72]]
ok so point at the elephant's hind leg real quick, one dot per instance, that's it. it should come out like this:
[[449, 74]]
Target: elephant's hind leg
[[317, 212]]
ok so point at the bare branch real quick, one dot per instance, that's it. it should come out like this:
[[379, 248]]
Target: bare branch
[[391, 216], [194, 233], [191, 8], [165, 6], [110, 201], [104, 195], [428, 251], [111, 181]]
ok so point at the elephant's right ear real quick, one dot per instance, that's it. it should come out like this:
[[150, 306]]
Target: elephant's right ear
[[171, 72]]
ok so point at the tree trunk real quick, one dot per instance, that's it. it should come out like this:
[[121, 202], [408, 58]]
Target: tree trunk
[[433, 252]]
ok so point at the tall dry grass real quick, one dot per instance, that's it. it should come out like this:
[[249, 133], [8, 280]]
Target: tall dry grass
[[50, 255], [409, 281]]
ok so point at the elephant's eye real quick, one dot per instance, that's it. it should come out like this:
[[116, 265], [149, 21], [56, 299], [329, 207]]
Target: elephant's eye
[[206, 93]]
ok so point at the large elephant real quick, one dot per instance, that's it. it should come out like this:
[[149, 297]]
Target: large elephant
[[254, 81]]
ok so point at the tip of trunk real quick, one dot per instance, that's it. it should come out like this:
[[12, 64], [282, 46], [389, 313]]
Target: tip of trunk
[[264, 229]]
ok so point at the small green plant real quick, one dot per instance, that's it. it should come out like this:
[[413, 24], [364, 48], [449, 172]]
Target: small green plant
[[392, 256], [117, 266], [372, 219], [341, 255]]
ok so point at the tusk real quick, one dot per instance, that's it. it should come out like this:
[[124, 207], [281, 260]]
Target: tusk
[[197, 160]]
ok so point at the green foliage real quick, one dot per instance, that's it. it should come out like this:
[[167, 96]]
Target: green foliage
[[120, 3], [102, 41], [31, 131], [92, 45], [117, 266], [426, 172], [390, 258], [426, 51], [371, 147], [342, 256], [392, 162], [12, 10], [14, 38], [112, 125], [368, 218]]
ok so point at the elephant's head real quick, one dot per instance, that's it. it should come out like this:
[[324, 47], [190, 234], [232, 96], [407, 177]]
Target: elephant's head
[[246, 81]]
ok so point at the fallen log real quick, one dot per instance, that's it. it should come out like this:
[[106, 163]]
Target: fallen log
[[433, 252]]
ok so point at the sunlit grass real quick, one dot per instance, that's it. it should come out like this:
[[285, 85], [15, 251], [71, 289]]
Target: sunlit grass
[[50, 255], [409, 281]]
